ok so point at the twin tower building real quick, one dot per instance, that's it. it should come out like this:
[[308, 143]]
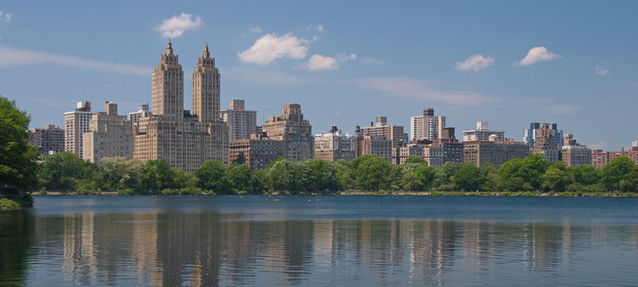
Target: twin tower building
[[183, 138]]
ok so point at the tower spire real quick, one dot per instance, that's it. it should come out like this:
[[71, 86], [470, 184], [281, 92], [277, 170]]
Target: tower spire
[[206, 53], [169, 47]]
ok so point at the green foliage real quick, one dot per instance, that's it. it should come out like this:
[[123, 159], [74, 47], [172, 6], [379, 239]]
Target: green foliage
[[319, 175], [287, 176], [372, 173], [63, 171], [240, 178], [211, 176], [615, 171], [17, 158], [413, 159], [469, 177], [118, 173], [556, 178], [523, 174], [8, 204], [629, 183], [443, 178], [157, 175]]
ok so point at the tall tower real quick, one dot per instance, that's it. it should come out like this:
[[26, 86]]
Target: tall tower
[[206, 88], [168, 85]]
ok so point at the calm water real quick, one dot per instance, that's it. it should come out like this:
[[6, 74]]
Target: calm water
[[320, 241]]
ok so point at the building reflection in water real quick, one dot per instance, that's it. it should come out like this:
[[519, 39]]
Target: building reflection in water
[[211, 249]]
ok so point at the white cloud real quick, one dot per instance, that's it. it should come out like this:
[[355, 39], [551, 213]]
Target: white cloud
[[475, 63], [417, 89], [5, 17], [372, 61], [271, 47], [320, 62], [319, 28], [536, 55], [19, 57], [601, 70], [257, 30], [175, 26], [562, 109], [346, 57]]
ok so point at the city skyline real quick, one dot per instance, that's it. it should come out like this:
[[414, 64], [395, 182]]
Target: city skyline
[[343, 72]]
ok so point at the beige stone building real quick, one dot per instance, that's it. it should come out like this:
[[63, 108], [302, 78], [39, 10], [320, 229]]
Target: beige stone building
[[493, 152], [241, 123], [48, 140], [256, 152], [294, 130], [109, 135], [333, 145], [76, 123], [574, 154], [379, 146], [183, 139], [381, 129]]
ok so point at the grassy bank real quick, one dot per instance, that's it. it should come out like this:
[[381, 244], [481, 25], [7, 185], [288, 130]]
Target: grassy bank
[[502, 194], [11, 203]]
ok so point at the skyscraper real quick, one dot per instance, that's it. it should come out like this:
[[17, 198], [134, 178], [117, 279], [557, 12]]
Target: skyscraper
[[48, 140], [183, 139], [241, 123], [294, 130], [426, 126], [76, 123]]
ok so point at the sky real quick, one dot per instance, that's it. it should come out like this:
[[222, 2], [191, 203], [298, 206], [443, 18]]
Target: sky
[[505, 62]]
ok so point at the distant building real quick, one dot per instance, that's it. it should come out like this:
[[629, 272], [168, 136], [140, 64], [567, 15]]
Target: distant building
[[371, 145], [257, 152], [333, 145], [435, 155], [574, 154], [482, 133], [241, 123], [493, 152], [546, 143], [529, 134], [142, 112], [291, 128], [48, 140], [426, 126], [76, 123], [109, 135], [451, 148], [400, 154], [381, 129], [600, 158]]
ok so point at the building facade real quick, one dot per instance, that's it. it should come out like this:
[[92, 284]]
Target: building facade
[[109, 135], [574, 154], [256, 152], [183, 139], [529, 134], [482, 133], [76, 123], [48, 140], [546, 143], [241, 123], [381, 129], [493, 152], [371, 145], [333, 145], [291, 128], [142, 112], [426, 126]]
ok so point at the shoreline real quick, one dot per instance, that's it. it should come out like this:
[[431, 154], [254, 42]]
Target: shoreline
[[394, 193]]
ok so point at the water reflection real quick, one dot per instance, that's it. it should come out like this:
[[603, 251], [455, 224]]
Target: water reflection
[[211, 249]]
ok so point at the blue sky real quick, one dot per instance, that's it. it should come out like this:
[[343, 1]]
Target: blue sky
[[505, 62]]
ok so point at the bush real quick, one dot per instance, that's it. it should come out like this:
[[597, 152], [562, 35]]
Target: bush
[[8, 204]]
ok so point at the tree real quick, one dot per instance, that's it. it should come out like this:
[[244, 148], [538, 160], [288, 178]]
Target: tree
[[211, 176], [157, 176], [118, 173], [17, 158], [523, 174], [444, 173], [320, 175], [469, 177], [413, 159], [615, 171], [629, 183], [287, 176], [584, 174], [372, 173], [556, 178], [240, 178], [63, 171]]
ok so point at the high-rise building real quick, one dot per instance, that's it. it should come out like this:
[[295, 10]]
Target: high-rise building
[[333, 145], [381, 129], [374, 145], [574, 154], [493, 152], [241, 123], [142, 112], [109, 135], [48, 140], [529, 134], [482, 133], [546, 143], [76, 123], [183, 139], [294, 130], [426, 126]]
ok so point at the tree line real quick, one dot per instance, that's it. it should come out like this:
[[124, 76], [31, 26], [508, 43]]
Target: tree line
[[68, 173]]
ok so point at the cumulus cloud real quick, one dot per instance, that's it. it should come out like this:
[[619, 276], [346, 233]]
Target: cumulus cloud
[[175, 26], [320, 62], [475, 63], [536, 55], [19, 57], [271, 47], [5, 17], [417, 89], [601, 70]]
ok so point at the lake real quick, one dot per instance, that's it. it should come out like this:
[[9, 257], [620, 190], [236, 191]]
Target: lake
[[320, 241]]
